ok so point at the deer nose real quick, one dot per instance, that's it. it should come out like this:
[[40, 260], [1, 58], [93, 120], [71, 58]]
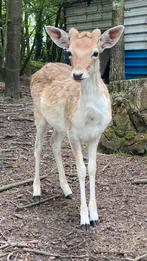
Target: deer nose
[[77, 76]]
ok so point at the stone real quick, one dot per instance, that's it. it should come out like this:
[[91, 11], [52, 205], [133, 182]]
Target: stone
[[128, 130]]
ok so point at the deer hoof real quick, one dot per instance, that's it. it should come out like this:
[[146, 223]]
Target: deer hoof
[[85, 227], [94, 223], [36, 198], [70, 196]]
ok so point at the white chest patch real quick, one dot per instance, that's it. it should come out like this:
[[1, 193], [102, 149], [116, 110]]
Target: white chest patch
[[92, 117]]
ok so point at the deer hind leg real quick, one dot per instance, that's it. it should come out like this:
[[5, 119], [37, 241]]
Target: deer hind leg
[[41, 125], [92, 148], [56, 141], [81, 170]]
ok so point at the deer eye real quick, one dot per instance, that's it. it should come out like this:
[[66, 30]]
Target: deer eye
[[95, 54], [69, 54]]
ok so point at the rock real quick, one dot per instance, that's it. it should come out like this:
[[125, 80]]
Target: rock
[[128, 131]]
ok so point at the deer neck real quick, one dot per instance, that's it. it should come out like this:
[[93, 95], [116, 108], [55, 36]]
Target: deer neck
[[90, 86]]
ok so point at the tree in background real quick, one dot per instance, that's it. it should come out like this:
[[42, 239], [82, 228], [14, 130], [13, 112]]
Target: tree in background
[[24, 44], [1, 31], [39, 30], [41, 49], [12, 69], [3, 36], [117, 52]]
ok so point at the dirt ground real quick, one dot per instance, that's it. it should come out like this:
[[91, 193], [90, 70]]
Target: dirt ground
[[51, 231]]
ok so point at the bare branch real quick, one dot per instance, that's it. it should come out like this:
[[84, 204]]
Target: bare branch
[[17, 184], [138, 258], [140, 181], [45, 253], [36, 203]]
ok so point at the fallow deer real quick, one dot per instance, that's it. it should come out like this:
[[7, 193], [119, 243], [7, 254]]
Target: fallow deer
[[75, 102]]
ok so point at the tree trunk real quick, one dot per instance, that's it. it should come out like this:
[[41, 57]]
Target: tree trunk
[[117, 52], [1, 24], [1, 39], [13, 48], [54, 47], [27, 60], [39, 33], [27, 37], [23, 41], [3, 30]]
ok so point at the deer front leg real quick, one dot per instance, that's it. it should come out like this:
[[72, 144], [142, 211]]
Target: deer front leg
[[92, 148], [41, 127], [56, 142], [81, 170]]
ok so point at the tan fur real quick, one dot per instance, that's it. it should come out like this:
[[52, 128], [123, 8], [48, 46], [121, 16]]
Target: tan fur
[[59, 91], [60, 88], [73, 34], [81, 109]]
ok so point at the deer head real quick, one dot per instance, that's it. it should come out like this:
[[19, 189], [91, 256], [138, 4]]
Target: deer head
[[83, 48]]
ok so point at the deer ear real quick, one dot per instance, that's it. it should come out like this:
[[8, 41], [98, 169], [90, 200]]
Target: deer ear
[[110, 37], [59, 36]]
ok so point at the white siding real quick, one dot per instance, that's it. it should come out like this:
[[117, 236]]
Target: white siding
[[135, 24], [99, 15]]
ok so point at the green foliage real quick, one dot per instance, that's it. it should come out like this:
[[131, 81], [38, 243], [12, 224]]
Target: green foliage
[[37, 64], [35, 43]]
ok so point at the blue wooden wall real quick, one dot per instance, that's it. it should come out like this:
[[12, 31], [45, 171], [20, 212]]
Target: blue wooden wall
[[135, 64]]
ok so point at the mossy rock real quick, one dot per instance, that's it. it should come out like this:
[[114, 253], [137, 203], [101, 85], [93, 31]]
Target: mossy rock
[[138, 146], [131, 142], [128, 131], [110, 142]]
